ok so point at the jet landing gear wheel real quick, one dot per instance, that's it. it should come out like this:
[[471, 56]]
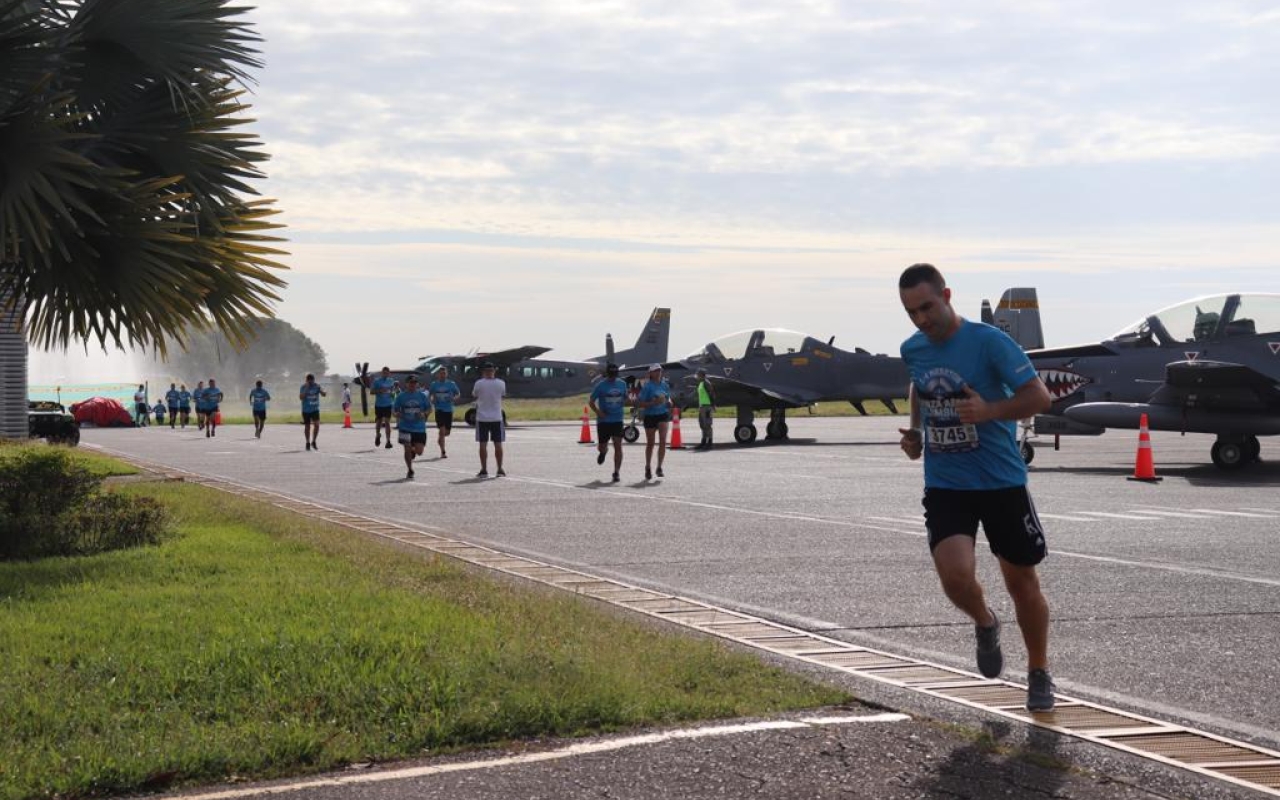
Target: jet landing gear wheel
[[1230, 455], [631, 434], [745, 434], [1028, 452], [775, 430], [1253, 449], [470, 417]]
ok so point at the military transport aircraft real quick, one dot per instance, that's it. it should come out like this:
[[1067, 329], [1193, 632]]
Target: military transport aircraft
[[778, 369], [530, 377], [1208, 365]]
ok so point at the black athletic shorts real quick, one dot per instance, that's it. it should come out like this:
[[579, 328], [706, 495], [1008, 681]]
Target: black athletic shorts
[[444, 420], [491, 432], [654, 420], [608, 430], [1008, 519], [259, 414], [382, 412], [311, 416], [414, 438]]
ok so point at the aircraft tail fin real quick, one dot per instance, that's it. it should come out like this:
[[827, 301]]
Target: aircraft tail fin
[[1018, 314], [651, 346]]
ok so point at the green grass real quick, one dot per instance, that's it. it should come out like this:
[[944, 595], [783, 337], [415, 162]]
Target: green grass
[[566, 408], [100, 465], [257, 643]]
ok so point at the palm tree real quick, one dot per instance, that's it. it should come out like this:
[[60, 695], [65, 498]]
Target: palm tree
[[125, 195]]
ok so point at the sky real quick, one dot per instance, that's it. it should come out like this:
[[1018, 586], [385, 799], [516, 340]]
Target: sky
[[478, 175]]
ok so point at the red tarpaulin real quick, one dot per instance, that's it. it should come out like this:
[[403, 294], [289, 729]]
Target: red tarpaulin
[[102, 412]]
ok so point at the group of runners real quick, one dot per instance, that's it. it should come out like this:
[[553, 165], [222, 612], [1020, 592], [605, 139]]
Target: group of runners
[[178, 402]]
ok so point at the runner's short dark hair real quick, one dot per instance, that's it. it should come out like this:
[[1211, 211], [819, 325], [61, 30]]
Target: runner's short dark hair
[[917, 274]]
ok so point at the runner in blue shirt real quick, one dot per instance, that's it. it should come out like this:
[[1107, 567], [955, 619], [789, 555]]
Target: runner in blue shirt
[[258, 398], [171, 400], [212, 399], [384, 389], [443, 393], [655, 399], [411, 410], [970, 384], [608, 401], [184, 405], [198, 397], [310, 393]]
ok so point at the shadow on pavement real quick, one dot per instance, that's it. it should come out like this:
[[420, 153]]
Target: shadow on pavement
[[980, 769]]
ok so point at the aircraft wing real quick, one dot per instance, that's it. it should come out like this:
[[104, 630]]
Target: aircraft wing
[[1217, 386], [505, 358], [733, 392]]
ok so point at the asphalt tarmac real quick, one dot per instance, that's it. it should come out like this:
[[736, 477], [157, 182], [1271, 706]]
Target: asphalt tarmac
[[1165, 597]]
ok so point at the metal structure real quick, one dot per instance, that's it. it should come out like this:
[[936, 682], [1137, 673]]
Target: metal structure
[[13, 373]]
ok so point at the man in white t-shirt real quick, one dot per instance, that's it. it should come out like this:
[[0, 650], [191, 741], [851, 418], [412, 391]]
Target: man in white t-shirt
[[489, 392]]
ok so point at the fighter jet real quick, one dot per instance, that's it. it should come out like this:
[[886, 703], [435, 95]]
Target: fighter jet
[[1207, 365], [775, 369], [526, 375]]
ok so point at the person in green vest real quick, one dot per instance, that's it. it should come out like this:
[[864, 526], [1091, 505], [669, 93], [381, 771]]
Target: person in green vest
[[706, 409]]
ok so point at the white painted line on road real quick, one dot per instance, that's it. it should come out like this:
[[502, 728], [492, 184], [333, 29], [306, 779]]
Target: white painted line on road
[[1109, 515], [898, 520], [1179, 514], [584, 748], [1234, 513]]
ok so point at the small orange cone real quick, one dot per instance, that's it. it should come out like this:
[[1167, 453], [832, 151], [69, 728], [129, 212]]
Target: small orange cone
[[217, 417], [346, 417], [677, 443], [585, 436], [1144, 467]]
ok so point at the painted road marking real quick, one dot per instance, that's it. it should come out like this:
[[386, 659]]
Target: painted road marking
[[1064, 517], [1233, 513], [579, 749], [1109, 515], [1179, 514]]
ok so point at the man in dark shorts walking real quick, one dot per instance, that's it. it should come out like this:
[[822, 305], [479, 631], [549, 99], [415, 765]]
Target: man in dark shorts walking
[[970, 384], [411, 409], [609, 402], [489, 391], [258, 399], [212, 400]]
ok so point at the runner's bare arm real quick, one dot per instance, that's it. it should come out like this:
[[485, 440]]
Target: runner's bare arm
[[1029, 399], [912, 438]]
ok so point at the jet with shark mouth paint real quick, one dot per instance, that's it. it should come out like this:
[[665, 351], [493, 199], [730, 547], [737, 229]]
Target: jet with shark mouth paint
[[1207, 365]]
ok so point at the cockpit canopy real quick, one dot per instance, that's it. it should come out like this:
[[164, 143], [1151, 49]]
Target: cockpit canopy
[[1207, 318], [756, 343]]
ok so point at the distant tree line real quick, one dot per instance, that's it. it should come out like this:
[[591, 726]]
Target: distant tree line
[[279, 355]]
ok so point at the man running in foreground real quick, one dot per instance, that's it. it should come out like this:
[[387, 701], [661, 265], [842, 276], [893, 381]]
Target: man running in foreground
[[258, 398], [443, 394], [489, 392], [609, 401], [411, 409], [970, 383], [310, 393], [384, 397]]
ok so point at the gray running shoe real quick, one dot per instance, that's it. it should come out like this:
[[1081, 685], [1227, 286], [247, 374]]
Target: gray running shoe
[[501, 473], [1039, 691], [990, 659], [482, 474]]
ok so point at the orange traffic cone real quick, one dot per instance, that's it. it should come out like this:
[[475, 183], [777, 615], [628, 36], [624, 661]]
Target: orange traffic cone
[[585, 436], [1144, 468], [677, 443], [217, 417], [346, 417]]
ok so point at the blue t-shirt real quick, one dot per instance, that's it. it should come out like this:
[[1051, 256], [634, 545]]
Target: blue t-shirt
[[171, 398], [310, 394], [956, 455], [610, 397], [383, 390], [442, 394], [184, 399], [413, 408], [212, 396], [259, 397], [652, 390], [198, 396]]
